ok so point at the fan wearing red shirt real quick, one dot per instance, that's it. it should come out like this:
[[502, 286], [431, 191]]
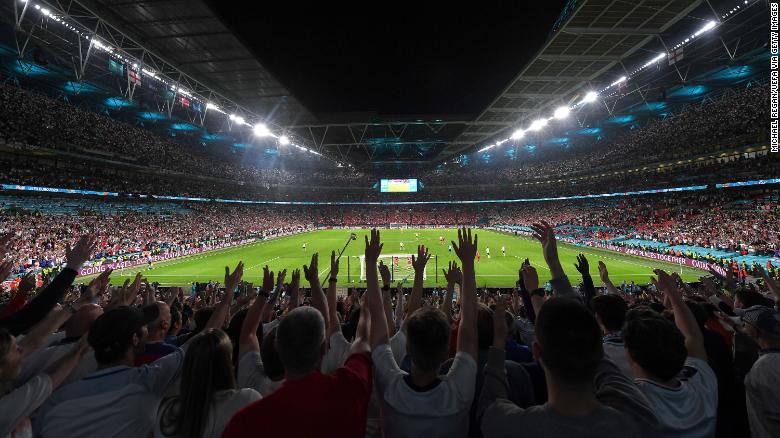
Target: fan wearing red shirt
[[310, 403]]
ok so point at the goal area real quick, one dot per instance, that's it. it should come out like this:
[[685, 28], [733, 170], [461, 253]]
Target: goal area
[[400, 265], [398, 225]]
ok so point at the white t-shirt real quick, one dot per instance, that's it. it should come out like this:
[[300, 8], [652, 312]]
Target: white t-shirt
[[442, 410], [120, 401], [17, 405], [763, 397], [337, 353], [226, 404], [689, 410], [42, 359], [251, 374]]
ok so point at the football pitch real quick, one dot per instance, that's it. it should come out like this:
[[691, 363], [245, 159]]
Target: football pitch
[[496, 271]]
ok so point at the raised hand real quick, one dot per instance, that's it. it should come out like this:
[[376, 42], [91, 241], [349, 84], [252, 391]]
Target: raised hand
[[530, 278], [280, 278], [667, 284], [268, 280], [545, 234], [310, 272], [373, 247], [126, 295], [81, 252], [499, 322], [466, 248], [27, 284], [295, 285], [422, 258], [232, 279], [384, 272], [603, 273], [99, 284], [582, 265], [453, 274], [334, 265]]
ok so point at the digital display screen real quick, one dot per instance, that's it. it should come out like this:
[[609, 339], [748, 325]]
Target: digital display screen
[[398, 185]]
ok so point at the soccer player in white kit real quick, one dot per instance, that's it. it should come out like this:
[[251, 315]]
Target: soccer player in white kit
[[487, 252], [402, 246], [503, 250]]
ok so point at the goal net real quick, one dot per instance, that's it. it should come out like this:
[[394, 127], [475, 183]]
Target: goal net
[[398, 225], [400, 266]]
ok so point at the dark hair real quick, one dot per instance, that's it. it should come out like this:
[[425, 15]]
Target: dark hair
[[752, 298], [272, 363], [611, 309], [484, 327], [569, 339], [207, 369], [698, 312], [299, 339], [175, 317], [233, 331], [427, 338], [117, 349], [655, 343]]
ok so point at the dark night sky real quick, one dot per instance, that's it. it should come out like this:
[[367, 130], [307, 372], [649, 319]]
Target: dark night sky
[[393, 60]]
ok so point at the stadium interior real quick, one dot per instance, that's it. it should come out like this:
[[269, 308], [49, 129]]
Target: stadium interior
[[145, 145]]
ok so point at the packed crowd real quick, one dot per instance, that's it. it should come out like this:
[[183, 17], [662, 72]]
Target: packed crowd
[[677, 360], [41, 240], [32, 120], [736, 220]]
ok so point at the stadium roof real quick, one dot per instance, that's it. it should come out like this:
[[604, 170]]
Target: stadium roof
[[189, 36], [588, 42], [591, 39], [592, 43]]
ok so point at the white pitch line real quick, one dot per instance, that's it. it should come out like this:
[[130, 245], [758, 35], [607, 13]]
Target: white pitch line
[[261, 264]]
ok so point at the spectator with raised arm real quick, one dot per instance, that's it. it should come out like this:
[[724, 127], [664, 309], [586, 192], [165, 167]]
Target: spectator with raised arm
[[120, 399], [208, 395], [423, 402], [335, 403], [670, 365], [592, 398], [253, 368]]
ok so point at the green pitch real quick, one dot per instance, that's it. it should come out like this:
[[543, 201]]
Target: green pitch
[[497, 271]]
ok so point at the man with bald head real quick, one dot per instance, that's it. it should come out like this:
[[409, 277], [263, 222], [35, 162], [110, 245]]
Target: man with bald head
[[155, 346], [75, 328]]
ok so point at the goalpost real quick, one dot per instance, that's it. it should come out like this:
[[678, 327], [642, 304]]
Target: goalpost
[[398, 225], [400, 266]]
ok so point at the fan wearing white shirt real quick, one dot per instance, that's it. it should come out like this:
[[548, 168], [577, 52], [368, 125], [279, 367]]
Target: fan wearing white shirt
[[670, 365], [423, 403], [208, 396], [261, 369]]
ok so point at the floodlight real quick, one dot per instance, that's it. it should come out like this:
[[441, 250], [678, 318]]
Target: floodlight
[[592, 96], [518, 134], [284, 140], [562, 112], [538, 124], [261, 130]]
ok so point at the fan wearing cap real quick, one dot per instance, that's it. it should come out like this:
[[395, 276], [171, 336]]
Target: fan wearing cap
[[762, 382], [120, 400], [88, 407]]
